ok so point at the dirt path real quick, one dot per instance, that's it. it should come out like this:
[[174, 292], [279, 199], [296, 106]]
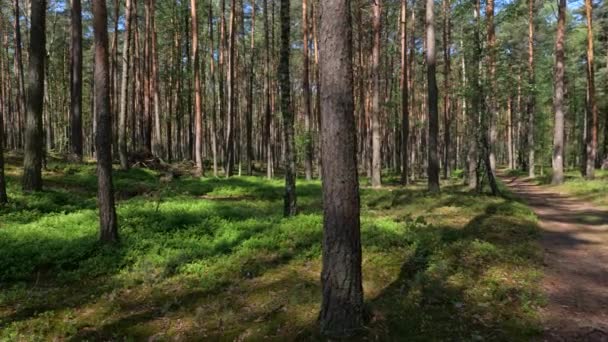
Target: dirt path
[[575, 240]]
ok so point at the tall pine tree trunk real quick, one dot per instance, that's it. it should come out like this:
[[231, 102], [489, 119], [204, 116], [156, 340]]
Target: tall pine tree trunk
[[433, 160], [198, 156], [591, 102], [558, 97], [306, 94], [124, 82], [290, 208], [531, 90], [342, 307], [32, 165], [405, 114], [76, 80], [376, 138], [103, 134]]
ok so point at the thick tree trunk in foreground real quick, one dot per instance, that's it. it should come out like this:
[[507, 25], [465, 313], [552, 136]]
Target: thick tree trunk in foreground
[[231, 80], [558, 98], [19, 71], [433, 160], [103, 134], [32, 165], [376, 138], [249, 119], [124, 83], [76, 81], [591, 103], [405, 113], [342, 307], [288, 119]]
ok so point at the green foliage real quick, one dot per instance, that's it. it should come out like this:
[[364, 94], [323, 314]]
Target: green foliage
[[214, 258]]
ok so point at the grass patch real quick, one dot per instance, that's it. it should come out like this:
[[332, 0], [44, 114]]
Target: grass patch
[[215, 259]]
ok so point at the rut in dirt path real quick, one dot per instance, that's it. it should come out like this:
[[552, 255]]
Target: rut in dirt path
[[575, 241]]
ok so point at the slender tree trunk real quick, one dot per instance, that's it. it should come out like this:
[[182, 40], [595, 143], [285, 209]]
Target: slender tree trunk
[[288, 117], [249, 119], [19, 71], [531, 84], [342, 307], [214, 101], [198, 157], [376, 138], [4, 112], [592, 119], [492, 106], [447, 105], [231, 118], [267, 90], [155, 84], [76, 80], [306, 94], [124, 82], [103, 134], [510, 142], [558, 97], [433, 160], [32, 165], [405, 114]]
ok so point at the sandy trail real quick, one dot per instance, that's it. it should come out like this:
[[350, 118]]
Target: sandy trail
[[575, 240]]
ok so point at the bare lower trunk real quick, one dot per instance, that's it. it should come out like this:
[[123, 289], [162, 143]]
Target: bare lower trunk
[[290, 208], [124, 82], [405, 114], [342, 307], [103, 134], [433, 160], [76, 80], [591, 103], [32, 165], [558, 98], [376, 138]]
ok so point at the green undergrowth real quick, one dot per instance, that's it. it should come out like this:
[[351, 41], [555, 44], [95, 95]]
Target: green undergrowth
[[214, 259]]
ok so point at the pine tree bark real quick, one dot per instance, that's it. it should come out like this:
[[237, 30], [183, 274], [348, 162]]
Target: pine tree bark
[[4, 112], [198, 145], [249, 118], [76, 80], [375, 71], [103, 134], [124, 82], [592, 118], [531, 91], [492, 106], [306, 94], [214, 100], [558, 97], [229, 159], [342, 308], [433, 160], [267, 96], [290, 207], [32, 165], [405, 114], [447, 105], [19, 71]]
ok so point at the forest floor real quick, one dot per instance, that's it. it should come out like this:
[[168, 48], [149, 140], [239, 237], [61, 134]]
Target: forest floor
[[213, 259], [575, 242]]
